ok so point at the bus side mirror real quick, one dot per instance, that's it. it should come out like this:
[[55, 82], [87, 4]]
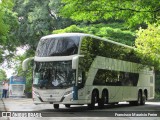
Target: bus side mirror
[[79, 79], [75, 61], [25, 63]]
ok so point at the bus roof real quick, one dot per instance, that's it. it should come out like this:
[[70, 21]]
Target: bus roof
[[84, 35]]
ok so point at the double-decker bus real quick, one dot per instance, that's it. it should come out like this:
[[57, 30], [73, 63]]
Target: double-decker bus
[[17, 86], [77, 68]]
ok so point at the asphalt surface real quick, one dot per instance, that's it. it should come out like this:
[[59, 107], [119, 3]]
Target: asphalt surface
[[22, 108], [2, 105]]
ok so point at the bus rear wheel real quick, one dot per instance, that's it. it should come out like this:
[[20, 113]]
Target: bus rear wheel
[[143, 100], [56, 106], [140, 100], [94, 99]]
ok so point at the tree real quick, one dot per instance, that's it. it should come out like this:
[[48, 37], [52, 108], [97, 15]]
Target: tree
[[8, 24], [17, 60], [3, 27], [117, 33], [36, 19], [148, 45], [131, 11], [3, 75]]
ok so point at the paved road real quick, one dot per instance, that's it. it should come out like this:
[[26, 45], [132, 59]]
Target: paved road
[[120, 111]]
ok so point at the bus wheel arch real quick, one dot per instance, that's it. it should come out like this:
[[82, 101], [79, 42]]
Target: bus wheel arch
[[141, 98], [146, 94], [94, 99], [144, 98], [105, 94], [95, 92], [104, 98]]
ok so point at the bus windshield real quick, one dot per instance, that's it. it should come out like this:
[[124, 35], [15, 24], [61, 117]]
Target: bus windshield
[[52, 75], [58, 46]]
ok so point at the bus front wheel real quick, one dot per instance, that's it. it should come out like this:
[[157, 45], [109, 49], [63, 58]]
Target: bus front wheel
[[67, 105], [94, 99], [56, 106]]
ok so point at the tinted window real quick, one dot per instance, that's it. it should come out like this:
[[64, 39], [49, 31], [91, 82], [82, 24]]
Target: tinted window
[[58, 46], [53, 75], [115, 78], [93, 47]]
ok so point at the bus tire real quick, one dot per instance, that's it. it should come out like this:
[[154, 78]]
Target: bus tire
[[94, 99], [143, 100], [67, 105], [139, 100], [56, 106], [103, 100]]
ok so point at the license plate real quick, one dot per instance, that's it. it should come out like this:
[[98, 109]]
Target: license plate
[[51, 99]]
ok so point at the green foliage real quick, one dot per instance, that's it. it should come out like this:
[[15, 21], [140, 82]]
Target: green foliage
[[72, 28], [110, 31], [33, 19], [3, 75], [132, 11], [17, 60], [36, 19], [7, 18], [157, 96], [8, 23], [157, 82], [148, 45], [3, 26]]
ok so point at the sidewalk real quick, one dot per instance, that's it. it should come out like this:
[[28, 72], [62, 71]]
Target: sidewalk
[[2, 105], [17, 104]]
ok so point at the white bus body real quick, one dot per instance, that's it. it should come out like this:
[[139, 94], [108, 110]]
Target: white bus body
[[76, 68]]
